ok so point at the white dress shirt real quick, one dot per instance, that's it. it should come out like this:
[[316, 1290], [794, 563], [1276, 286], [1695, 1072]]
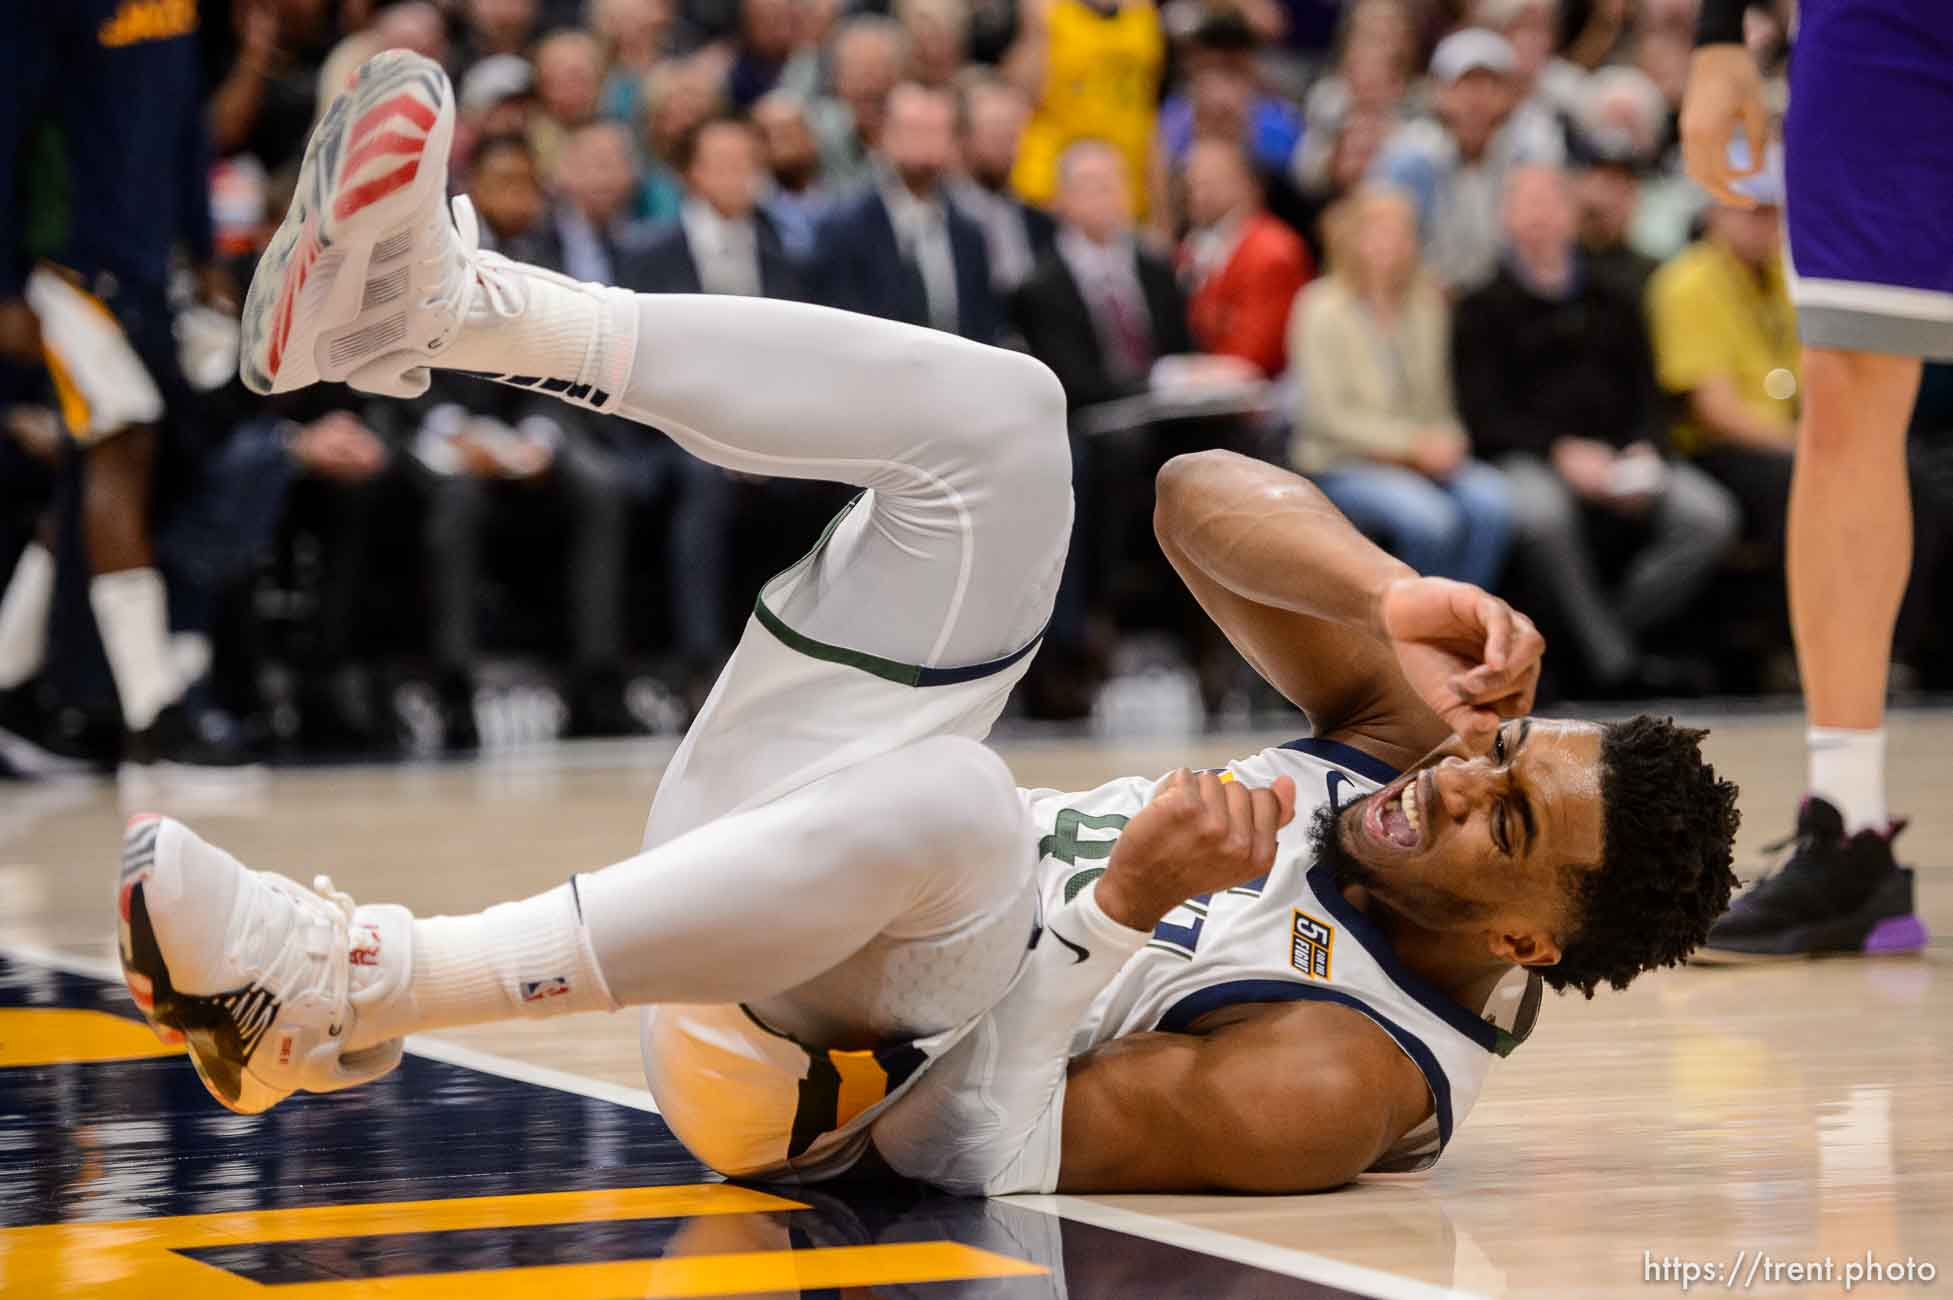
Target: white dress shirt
[[725, 251], [1006, 235], [922, 233], [1108, 277]]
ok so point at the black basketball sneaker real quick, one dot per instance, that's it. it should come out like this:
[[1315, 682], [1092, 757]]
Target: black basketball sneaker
[[1835, 894]]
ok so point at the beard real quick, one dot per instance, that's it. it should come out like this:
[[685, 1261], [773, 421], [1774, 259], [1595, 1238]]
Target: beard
[[919, 177], [1326, 842], [1422, 902], [795, 174]]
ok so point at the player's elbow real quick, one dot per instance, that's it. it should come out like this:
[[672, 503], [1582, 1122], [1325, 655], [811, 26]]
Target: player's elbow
[[1180, 482]]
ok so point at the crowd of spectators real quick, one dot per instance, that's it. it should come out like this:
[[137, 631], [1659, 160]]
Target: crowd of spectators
[[1438, 255]]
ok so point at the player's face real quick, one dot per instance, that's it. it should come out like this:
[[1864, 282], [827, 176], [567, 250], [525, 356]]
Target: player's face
[[1478, 842]]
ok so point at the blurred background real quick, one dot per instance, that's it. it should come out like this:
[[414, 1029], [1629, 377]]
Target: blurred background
[[1438, 255]]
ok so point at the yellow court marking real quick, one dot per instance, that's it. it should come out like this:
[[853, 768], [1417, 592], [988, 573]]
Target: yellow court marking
[[51, 1036], [863, 1083], [788, 1271], [136, 1259]]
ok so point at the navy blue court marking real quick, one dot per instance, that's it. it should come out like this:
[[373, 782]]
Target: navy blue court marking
[[142, 1139]]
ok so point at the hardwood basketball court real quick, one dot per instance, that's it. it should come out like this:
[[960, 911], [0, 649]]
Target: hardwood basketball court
[[1745, 1119]]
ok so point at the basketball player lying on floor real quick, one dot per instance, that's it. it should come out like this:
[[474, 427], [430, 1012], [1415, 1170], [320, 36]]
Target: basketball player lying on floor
[[858, 946]]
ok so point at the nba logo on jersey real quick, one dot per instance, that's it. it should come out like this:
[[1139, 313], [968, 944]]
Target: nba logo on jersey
[[1313, 941]]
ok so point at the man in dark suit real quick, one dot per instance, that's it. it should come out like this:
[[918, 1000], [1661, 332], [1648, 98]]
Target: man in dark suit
[[591, 221], [720, 243], [1016, 234], [501, 460], [1100, 310], [900, 249]]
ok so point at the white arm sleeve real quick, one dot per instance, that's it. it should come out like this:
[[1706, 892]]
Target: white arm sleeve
[[986, 1118]]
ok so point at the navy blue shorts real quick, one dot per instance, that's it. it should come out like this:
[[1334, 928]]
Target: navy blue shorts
[[111, 349], [1868, 175]]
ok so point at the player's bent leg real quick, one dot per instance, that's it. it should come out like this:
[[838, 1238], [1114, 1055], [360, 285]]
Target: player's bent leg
[[942, 574], [280, 989]]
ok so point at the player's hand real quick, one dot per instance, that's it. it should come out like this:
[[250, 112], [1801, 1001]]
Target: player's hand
[[1473, 658], [1198, 835], [1725, 92]]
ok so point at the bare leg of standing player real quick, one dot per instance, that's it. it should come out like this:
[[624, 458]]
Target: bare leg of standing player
[[1873, 283]]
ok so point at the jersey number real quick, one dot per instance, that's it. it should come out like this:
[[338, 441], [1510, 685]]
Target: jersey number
[[1064, 845]]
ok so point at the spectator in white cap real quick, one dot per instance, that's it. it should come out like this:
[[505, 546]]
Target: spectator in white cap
[[1544, 82], [1454, 164], [1613, 143], [495, 95], [495, 98]]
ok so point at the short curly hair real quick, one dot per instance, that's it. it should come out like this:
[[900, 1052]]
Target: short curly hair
[[1669, 827]]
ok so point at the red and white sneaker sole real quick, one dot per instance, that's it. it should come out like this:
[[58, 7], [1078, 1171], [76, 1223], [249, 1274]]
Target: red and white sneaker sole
[[138, 860], [375, 164], [195, 1022]]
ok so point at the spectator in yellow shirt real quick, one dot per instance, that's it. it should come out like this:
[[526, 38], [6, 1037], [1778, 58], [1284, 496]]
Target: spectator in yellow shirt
[[1725, 340], [1093, 69]]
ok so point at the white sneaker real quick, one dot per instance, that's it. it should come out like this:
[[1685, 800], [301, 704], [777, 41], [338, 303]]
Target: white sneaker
[[262, 978], [357, 265], [368, 279]]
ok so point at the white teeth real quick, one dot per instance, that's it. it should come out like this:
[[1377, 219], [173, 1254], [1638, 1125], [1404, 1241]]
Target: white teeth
[[1410, 807]]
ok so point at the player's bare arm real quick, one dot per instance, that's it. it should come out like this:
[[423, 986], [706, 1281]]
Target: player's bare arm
[[1392, 663], [1281, 1098], [1218, 1109]]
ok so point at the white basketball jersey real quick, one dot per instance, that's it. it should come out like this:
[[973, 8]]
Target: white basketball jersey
[[1288, 936]]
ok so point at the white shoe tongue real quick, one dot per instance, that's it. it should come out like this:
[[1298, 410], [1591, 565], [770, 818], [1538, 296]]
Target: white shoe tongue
[[466, 224]]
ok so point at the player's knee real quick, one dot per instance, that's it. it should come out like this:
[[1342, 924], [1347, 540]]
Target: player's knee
[[1840, 388], [1019, 419], [971, 784], [959, 804]]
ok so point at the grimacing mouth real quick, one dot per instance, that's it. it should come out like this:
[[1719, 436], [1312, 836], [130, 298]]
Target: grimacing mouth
[[1398, 817]]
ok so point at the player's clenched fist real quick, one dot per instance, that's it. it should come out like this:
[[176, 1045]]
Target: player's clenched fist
[[1198, 835]]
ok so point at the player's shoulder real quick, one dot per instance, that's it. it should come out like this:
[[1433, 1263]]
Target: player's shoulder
[[1332, 760]]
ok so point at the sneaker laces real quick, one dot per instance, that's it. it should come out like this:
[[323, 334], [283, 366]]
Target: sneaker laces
[[467, 268], [312, 951]]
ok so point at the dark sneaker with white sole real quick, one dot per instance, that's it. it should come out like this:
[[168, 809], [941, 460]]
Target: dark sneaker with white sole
[[1836, 894]]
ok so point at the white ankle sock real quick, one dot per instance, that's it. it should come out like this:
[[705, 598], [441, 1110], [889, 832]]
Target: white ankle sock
[[1847, 768], [132, 611], [516, 960], [583, 334], [23, 616]]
